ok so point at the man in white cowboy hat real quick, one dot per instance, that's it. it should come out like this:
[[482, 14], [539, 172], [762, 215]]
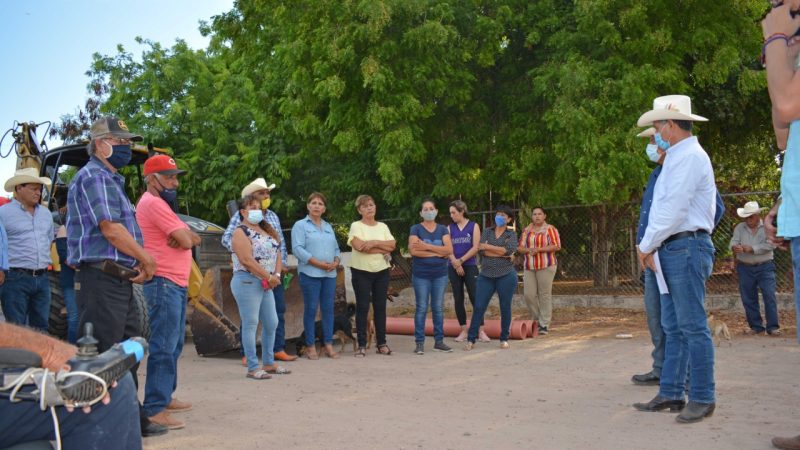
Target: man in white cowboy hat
[[652, 296], [259, 189], [679, 227], [756, 269], [780, 52], [29, 228]]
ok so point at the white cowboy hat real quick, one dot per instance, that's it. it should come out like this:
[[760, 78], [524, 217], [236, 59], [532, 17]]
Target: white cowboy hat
[[749, 209], [648, 133], [257, 185], [670, 107], [23, 176]]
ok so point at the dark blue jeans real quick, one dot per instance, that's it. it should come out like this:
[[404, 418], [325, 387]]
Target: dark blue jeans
[[652, 306], [687, 264], [505, 286], [66, 281], [166, 307], [115, 425], [751, 279], [26, 299], [280, 309], [318, 292]]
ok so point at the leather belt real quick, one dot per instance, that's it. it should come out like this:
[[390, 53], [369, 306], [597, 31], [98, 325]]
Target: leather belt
[[31, 272], [685, 234]]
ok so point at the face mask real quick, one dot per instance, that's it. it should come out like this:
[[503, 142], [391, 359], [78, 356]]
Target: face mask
[[255, 216], [168, 195], [265, 203], [661, 142], [652, 152], [120, 156], [500, 220], [429, 215]]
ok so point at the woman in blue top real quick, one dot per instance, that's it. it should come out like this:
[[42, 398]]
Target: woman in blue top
[[463, 266], [430, 246], [317, 252]]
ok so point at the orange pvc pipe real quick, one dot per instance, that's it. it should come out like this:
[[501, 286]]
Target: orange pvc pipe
[[405, 326]]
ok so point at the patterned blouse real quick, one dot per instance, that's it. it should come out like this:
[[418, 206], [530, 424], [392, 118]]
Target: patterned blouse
[[265, 250], [532, 239], [498, 266]]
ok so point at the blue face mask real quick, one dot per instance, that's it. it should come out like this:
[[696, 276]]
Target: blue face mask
[[500, 220], [652, 152], [661, 142], [168, 195], [255, 216], [429, 215], [120, 156]]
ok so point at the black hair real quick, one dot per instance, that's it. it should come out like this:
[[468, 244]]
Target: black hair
[[505, 209], [242, 204], [685, 125]]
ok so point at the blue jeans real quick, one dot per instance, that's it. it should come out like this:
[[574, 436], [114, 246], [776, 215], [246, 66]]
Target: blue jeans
[[318, 292], [66, 281], [751, 278], [255, 304], [505, 286], [280, 309], [796, 270], [166, 307], [115, 425], [429, 291], [26, 299], [687, 264], [652, 306]]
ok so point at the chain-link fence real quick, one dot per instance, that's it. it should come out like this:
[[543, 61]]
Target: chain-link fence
[[598, 247]]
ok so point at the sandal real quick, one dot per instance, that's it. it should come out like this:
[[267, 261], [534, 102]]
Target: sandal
[[468, 346], [361, 352], [259, 375], [383, 349], [277, 370], [312, 355], [329, 352]]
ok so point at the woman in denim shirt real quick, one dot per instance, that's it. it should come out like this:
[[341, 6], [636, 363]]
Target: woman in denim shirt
[[317, 252]]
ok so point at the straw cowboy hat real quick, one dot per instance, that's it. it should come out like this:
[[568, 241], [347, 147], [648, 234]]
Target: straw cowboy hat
[[23, 176], [257, 185], [670, 107], [648, 133], [749, 209]]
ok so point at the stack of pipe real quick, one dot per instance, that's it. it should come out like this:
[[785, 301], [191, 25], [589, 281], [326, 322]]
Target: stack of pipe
[[520, 329]]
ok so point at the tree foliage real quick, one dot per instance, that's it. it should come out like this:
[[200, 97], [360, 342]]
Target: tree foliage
[[531, 102]]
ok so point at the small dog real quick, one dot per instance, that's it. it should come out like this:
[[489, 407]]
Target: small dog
[[342, 330], [718, 328]]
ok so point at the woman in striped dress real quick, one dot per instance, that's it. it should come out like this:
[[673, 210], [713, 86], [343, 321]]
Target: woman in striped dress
[[539, 243]]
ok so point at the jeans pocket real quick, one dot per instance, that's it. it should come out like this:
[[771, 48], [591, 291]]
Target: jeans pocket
[[676, 247]]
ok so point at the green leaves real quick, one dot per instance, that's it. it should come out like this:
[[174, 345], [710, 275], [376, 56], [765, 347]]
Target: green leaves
[[534, 102]]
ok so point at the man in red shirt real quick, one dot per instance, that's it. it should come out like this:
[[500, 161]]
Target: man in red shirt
[[170, 242]]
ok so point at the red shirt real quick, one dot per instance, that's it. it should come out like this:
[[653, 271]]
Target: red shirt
[[530, 239], [157, 222]]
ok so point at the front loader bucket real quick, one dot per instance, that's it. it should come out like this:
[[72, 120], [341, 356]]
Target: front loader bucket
[[215, 317]]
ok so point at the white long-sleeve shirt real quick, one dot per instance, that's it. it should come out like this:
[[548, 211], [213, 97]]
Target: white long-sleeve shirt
[[684, 198]]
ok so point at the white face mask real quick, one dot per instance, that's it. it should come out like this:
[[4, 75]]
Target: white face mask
[[652, 152]]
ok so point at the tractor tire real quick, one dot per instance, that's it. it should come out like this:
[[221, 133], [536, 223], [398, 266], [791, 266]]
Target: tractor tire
[[57, 324], [140, 306]]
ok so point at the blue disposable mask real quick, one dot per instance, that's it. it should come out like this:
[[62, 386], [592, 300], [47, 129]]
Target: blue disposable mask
[[652, 152], [661, 142], [500, 220], [255, 216], [429, 215], [120, 156]]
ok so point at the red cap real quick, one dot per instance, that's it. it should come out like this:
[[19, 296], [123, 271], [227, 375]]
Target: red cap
[[161, 164]]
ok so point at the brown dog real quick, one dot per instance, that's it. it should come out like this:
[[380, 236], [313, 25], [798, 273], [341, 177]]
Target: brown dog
[[718, 327]]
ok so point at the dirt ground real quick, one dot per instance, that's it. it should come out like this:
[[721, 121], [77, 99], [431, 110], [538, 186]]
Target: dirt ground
[[568, 390]]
